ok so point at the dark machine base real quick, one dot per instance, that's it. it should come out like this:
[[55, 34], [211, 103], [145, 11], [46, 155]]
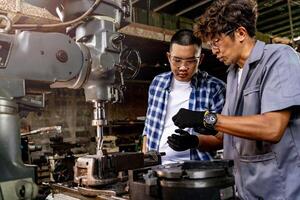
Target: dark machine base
[[193, 180]]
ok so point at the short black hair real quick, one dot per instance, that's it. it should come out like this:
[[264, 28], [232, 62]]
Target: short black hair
[[185, 37]]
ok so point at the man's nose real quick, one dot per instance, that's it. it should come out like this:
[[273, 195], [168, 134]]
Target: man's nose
[[183, 66]]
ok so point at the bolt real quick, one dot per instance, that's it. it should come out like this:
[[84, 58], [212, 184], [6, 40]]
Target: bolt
[[22, 191], [62, 56]]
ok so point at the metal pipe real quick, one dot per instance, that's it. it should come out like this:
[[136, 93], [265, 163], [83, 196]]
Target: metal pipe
[[148, 11], [63, 24], [55, 129], [291, 22]]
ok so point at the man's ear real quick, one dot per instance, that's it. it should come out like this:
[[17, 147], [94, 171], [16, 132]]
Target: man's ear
[[241, 33]]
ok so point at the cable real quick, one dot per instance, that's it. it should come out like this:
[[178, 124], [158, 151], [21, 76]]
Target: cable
[[68, 23]]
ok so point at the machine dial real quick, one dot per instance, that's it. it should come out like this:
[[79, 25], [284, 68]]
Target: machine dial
[[130, 63]]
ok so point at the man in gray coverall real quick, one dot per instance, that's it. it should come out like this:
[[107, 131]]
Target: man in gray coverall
[[260, 122]]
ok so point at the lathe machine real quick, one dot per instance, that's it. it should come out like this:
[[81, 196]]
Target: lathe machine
[[89, 55]]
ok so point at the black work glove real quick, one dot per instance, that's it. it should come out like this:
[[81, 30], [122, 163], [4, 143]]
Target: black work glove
[[188, 118], [182, 142]]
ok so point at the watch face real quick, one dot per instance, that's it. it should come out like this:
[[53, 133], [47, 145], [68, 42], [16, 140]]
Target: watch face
[[211, 119]]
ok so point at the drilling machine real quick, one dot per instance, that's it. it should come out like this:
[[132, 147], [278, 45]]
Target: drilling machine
[[90, 55]]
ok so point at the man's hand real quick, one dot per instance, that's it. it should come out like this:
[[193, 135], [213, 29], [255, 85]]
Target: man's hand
[[183, 141], [188, 118]]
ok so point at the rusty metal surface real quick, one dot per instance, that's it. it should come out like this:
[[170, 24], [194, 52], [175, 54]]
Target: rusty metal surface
[[95, 192], [149, 32], [69, 191], [20, 8], [20, 12], [86, 193]]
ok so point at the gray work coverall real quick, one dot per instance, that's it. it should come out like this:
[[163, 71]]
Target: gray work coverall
[[270, 82]]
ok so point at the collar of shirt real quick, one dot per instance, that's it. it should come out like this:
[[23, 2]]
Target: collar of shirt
[[255, 55]]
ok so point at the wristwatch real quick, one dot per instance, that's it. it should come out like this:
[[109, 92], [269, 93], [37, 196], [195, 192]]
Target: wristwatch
[[209, 120]]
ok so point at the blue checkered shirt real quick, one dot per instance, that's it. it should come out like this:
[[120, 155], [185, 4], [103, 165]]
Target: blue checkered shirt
[[208, 93]]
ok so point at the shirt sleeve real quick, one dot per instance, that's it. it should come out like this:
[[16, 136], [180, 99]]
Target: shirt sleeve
[[281, 85], [218, 99], [151, 92]]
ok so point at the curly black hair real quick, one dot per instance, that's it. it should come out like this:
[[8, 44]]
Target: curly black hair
[[227, 15]]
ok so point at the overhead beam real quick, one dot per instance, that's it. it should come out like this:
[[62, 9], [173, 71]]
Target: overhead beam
[[284, 28], [295, 3], [287, 33], [276, 18], [192, 7], [163, 5], [264, 5], [148, 32], [279, 24]]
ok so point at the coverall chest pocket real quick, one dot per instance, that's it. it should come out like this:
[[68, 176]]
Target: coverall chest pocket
[[251, 100], [260, 175]]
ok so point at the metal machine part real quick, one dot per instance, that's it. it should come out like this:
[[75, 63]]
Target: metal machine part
[[99, 121], [55, 60], [16, 179], [8, 24], [62, 168], [52, 129], [95, 170], [107, 175], [207, 180], [109, 59]]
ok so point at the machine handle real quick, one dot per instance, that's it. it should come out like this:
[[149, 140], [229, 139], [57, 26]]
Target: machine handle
[[8, 24]]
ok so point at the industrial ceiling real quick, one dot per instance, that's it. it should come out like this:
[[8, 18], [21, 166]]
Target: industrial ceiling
[[279, 18]]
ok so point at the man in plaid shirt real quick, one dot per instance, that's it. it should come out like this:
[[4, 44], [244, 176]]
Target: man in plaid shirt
[[183, 87]]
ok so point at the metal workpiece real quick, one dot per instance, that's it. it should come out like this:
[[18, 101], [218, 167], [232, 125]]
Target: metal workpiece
[[95, 170], [207, 180], [106, 177], [86, 172]]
